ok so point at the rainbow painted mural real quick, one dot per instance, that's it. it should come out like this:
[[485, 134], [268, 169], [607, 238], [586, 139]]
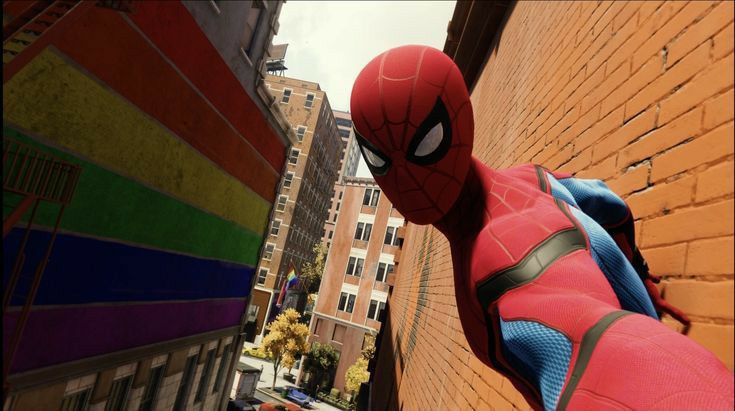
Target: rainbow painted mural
[[179, 174]]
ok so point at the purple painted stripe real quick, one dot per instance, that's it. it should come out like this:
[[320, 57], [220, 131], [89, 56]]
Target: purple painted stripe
[[60, 335]]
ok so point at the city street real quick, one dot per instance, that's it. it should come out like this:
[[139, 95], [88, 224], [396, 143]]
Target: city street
[[266, 380]]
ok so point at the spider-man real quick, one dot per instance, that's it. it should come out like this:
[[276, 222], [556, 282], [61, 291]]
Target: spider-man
[[551, 289]]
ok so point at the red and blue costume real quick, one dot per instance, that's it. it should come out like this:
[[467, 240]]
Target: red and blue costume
[[551, 289]]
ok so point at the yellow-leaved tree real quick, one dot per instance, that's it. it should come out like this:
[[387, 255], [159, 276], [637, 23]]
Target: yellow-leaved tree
[[311, 273], [356, 375], [286, 339], [358, 372]]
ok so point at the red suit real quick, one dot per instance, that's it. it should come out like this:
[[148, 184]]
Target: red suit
[[551, 290]]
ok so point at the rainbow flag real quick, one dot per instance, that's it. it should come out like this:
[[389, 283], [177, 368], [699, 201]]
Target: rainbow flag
[[291, 280]]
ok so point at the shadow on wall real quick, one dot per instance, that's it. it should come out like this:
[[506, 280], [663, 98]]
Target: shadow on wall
[[386, 368]]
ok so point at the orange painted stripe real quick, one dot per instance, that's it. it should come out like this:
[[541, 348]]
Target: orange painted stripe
[[175, 32], [104, 44], [66, 22], [13, 8]]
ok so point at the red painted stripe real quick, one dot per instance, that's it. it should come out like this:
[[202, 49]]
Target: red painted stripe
[[188, 47], [108, 47]]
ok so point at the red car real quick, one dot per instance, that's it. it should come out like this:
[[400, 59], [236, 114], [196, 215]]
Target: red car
[[272, 406]]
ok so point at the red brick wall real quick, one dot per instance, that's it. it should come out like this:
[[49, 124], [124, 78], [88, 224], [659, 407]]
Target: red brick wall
[[639, 94]]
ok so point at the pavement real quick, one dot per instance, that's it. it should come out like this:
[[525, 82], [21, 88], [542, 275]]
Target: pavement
[[266, 380]]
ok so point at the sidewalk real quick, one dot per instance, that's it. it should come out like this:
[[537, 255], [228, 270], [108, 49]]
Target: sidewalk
[[266, 380]]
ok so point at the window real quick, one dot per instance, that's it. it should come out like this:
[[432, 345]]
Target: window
[[219, 379], [338, 334], [186, 380], [375, 310], [391, 236], [262, 274], [119, 394], [363, 231], [288, 179], [330, 234], [344, 133], [286, 96], [204, 380], [281, 205], [346, 302], [309, 100], [383, 270], [151, 390], [317, 326], [338, 204], [268, 251], [334, 220], [343, 122], [300, 130], [275, 227], [294, 157], [340, 194], [371, 197], [77, 401], [354, 266]]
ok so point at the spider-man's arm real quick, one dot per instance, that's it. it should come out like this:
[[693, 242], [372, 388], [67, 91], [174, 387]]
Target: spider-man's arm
[[596, 200]]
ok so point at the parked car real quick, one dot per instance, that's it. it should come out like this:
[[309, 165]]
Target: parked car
[[272, 406]]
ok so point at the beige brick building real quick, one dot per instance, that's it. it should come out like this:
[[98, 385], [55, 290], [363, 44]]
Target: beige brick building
[[358, 273], [639, 94], [304, 195]]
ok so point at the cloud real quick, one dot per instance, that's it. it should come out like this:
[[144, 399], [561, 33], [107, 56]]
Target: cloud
[[331, 41]]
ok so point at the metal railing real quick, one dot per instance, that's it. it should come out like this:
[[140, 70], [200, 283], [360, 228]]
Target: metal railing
[[30, 172]]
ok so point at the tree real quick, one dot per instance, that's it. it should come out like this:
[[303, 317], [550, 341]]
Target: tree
[[322, 358], [358, 372], [286, 338], [356, 375], [311, 273]]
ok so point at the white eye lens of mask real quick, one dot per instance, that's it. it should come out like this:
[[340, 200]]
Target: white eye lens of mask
[[372, 158], [431, 141]]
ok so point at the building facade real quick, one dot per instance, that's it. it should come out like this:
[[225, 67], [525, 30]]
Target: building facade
[[639, 94], [129, 290], [304, 194], [358, 273], [348, 168]]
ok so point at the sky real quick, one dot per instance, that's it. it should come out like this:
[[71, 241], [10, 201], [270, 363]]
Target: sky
[[329, 42]]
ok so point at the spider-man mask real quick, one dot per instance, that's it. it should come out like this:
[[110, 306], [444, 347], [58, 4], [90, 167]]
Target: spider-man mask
[[413, 121]]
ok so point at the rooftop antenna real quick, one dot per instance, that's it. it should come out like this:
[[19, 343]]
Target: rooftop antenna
[[274, 64]]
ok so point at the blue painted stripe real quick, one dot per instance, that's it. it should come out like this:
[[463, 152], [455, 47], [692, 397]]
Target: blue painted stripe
[[84, 270]]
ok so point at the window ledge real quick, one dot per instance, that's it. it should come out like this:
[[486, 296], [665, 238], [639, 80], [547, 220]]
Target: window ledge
[[245, 57], [215, 7]]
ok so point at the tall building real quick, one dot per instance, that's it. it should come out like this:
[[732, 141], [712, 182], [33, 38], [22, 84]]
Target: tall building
[[639, 95], [348, 168], [141, 162], [304, 194], [358, 272], [351, 151]]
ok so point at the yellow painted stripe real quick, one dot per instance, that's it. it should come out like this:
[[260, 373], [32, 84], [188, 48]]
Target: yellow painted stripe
[[51, 98]]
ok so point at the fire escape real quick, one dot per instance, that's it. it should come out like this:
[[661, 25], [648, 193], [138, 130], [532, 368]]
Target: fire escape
[[31, 176], [28, 26]]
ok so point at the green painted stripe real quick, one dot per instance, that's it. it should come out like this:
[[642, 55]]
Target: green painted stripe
[[108, 205], [55, 100]]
